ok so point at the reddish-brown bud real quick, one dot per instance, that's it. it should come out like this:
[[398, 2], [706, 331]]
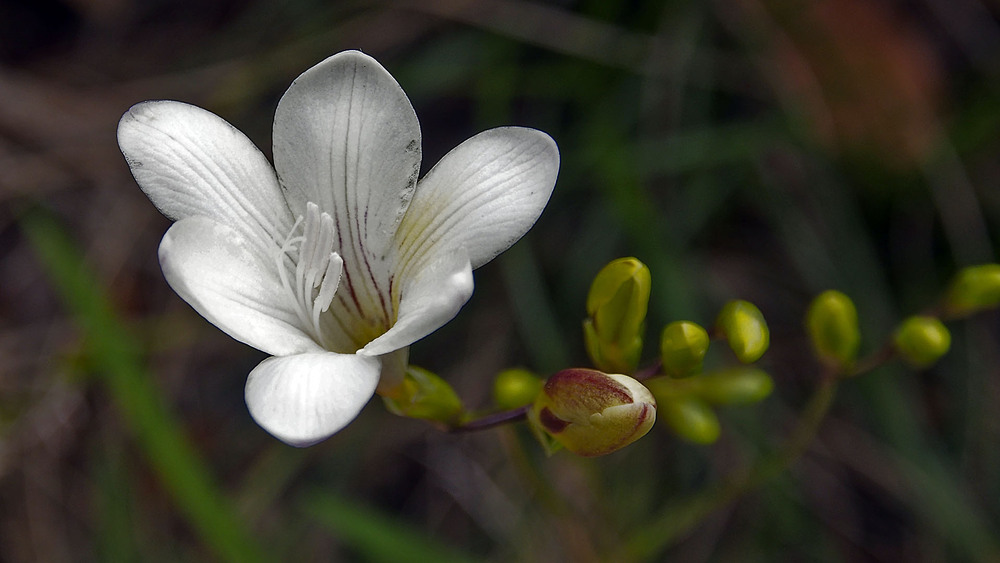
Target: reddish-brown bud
[[591, 413]]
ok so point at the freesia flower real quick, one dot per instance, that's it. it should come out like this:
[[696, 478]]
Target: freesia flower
[[336, 259]]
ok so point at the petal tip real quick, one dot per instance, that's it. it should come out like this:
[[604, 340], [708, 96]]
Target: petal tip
[[304, 399]]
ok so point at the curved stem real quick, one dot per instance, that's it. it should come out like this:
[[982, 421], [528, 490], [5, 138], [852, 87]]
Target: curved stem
[[647, 372], [872, 361], [491, 420]]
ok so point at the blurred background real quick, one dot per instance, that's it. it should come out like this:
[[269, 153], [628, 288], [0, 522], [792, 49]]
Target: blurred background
[[757, 149]]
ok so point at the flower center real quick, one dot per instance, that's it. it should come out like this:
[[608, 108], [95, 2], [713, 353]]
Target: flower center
[[310, 269]]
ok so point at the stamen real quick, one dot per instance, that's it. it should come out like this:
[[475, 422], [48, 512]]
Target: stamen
[[331, 279], [316, 268], [285, 252]]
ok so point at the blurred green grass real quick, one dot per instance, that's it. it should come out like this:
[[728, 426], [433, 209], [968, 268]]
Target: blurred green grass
[[758, 150]]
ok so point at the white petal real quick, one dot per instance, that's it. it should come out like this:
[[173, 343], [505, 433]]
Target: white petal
[[211, 266], [482, 196], [427, 301], [306, 398], [347, 139], [191, 162]]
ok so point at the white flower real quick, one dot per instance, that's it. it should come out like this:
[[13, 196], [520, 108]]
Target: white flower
[[338, 262]]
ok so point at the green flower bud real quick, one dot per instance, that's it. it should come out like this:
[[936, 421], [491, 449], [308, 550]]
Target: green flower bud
[[921, 341], [974, 288], [591, 413], [514, 388], [735, 386], [682, 348], [744, 327], [616, 310], [691, 419], [832, 322], [426, 396]]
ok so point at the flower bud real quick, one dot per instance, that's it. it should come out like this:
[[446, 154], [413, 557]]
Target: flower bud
[[832, 322], [691, 419], [616, 310], [734, 386], [974, 288], [426, 396], [744, 327], [514, 388], [591, 413], [921, 341], [682, 348]]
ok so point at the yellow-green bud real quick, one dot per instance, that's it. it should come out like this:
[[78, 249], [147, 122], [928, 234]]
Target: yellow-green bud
[[616, 310], [591, 413], [974, 288], [832, 322], [745, 329], [734, 386], [426, 396], [921, 341], [691, 419], [514, 388], [682, 348]]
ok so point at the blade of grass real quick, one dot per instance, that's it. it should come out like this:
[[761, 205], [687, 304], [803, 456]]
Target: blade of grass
[[116, 355], [116, 534], [608, 149], [374, 535], [533, 307], [708, 147], [536, 319], [941, 499]]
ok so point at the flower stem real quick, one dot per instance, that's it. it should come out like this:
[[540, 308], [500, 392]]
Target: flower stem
[[491, 420], [872, 361], [648, 372]]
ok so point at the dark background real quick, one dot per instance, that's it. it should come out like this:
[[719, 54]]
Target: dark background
[[756, 149]]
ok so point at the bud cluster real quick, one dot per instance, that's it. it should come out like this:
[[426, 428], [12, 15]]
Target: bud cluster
[[593, 412], [920, 340], [686, 397], [687, 405]]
